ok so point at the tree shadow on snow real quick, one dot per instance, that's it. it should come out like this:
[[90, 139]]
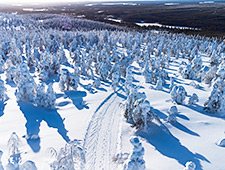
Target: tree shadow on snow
[[2, 107], [200, 109], [77, 99], [101, 89], [170, 146], [160, 114], [184, 129], [34, 116], [182, 116]]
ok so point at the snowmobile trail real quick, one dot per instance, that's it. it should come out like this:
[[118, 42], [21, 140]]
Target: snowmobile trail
[[101, 139]]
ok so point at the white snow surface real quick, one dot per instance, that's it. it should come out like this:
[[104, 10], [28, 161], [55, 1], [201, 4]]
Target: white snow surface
[[97, 119], [106, 133]]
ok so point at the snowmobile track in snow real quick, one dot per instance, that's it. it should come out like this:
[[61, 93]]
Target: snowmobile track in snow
[[102, 137]]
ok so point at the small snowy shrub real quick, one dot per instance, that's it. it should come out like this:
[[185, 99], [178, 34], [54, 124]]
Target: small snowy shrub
[[135, 160], [178, 94], [172, 118], [13, 145], [97, 83], [173, 110], [193, 99], [70, 157], [159, 84], [115, 80], [190, 166]]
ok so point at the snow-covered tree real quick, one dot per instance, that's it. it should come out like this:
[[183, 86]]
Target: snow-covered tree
[[97, 83], [190, 166], [128, 81], [3, 95], [193, 99], [172, 118], [68, 80], [147, 73], [13, 145], [142, 114], [173, 110], [50, 97], [178, 94], [115, 80], [159, 84], [171, 83], [132, 97], [73, 81], [70, 157], [45, 98], [40, 95], [135, 160], [64, 80], [215, 102], [26, 86]]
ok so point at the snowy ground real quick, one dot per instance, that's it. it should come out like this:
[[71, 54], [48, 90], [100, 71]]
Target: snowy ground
[[95, 115], [97, 118]]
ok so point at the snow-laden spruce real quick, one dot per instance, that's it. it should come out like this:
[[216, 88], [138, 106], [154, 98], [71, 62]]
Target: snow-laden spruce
[[26, 86], [193, 99], [178, 94], [173, 111], [216, 100], [115, 80], [135, 159]]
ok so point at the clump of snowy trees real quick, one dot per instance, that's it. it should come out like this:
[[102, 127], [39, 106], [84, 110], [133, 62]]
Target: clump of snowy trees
[[138, 110], [215, 102], [68, 80], [135, 159], [70, 157]]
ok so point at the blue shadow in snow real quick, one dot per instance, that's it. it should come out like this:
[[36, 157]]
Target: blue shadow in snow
[[201, 110], [2, 107], [183, 128], [183, 117], [77, 99], [160, 114], [169, 146], [121, 95], [34, 116], [101, 89], [63, 103]]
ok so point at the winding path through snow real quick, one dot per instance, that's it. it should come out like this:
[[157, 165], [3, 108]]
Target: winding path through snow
[[102, 139]]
